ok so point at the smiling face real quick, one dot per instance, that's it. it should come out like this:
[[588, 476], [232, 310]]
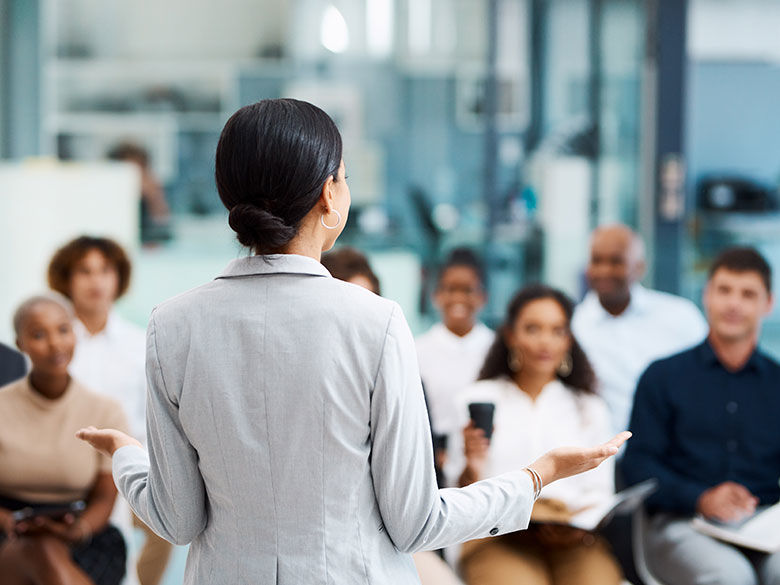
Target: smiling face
[[541, 335], [46, 336], [94, 283], [459, 297], [615, 264], [736, 303]]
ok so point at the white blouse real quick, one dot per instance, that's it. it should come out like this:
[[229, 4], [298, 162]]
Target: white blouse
[[524, 429]]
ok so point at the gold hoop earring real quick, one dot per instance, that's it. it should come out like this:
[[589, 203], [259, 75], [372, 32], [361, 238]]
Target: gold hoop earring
[[515, 360], [566, 366], [331, 227]]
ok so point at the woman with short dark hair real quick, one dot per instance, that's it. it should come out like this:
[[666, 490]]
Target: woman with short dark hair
[[288, 437], [45, 472]]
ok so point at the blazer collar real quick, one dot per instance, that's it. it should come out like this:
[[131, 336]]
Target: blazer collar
[[274, 264]]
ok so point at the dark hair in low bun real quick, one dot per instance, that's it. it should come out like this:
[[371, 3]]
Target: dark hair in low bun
[[272, 160]]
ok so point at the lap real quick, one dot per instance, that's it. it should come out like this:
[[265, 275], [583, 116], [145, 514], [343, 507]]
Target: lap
[[680, 555], [520, 559]]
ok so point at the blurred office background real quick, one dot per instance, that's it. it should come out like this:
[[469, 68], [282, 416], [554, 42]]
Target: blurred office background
[[514, 126]]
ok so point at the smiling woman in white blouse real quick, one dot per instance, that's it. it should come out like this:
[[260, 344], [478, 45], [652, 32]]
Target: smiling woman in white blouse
[[542, 386]]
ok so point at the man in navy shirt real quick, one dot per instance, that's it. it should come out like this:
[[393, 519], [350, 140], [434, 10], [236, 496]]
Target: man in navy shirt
[[705, 424]]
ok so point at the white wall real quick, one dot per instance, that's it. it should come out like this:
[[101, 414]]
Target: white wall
[[45, 204], [172, 29], [734, 29]]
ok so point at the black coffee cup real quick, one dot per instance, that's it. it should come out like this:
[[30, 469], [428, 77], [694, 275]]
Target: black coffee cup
[[481, 413]]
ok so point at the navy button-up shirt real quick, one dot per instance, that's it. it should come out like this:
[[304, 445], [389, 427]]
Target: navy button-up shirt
[[697, 424]]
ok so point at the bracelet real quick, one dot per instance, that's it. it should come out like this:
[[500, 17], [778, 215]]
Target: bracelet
[[537, 480]]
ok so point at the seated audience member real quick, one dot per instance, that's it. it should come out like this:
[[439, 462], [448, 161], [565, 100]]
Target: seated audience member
[[451, 352], [541, 384], [155, 214], [12, 365], [352, 266], [110, 354], [43, 464], [705, 425], [623, 326]]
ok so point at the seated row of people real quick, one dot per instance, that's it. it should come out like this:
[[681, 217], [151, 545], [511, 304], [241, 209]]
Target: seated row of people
[[101, 352], [701, 419]]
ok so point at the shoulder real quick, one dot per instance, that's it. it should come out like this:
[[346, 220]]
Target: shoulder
[[483, 390], [104, 408], [671, 367], [429, 340], [670, 302], [593, 404], [586, 310], [12, 390], [770, 362], [128, 329]]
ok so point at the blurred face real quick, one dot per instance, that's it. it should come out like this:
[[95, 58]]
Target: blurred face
[[341, 202], [459, 297], [94, 283], [47, 337], [614, 265], [541, 334], [363, 281], [736, 303]]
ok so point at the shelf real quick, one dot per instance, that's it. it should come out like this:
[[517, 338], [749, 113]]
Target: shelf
[[100, 122]]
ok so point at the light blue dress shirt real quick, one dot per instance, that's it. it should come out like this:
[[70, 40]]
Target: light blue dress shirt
[[288, 436]]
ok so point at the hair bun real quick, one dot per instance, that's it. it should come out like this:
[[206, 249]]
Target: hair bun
[[259, 229]]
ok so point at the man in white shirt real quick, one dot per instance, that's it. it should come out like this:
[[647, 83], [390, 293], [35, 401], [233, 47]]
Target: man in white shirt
[[622, 326]]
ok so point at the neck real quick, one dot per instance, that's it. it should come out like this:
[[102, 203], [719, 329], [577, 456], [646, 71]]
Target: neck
[[50, 386], [461, 330], [733, 353], [616, 305], [94, 321], [532, 383], [306, 242]]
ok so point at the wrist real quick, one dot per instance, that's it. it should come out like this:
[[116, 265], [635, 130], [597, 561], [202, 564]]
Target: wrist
[[83, 532]]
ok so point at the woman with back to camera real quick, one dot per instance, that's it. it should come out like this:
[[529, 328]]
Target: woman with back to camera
[[42, 465], [288, 438], [541, 384]]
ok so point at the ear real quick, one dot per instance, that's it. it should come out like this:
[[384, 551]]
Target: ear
[[640, 269], [326, 194], [508, 335], [770, 305], [705, 296], [18, 344]]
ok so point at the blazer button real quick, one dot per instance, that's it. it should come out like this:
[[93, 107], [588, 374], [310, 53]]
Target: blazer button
[[493, 531]]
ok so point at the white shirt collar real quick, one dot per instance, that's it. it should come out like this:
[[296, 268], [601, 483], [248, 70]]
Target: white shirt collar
[[639, 303], [110, 331]]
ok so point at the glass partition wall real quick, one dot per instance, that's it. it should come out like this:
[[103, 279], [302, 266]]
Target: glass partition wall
[[511, 126]]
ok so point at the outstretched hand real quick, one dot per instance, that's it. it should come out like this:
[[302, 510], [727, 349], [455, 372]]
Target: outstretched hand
[[107, 441], [567, 461]]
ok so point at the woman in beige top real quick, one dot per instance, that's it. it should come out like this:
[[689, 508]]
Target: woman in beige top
[[43, 465]]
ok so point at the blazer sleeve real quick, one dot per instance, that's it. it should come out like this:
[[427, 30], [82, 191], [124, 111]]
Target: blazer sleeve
[[416, 514], [165, 488]]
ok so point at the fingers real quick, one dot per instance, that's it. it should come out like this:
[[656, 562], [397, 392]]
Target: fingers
[[618, 440]]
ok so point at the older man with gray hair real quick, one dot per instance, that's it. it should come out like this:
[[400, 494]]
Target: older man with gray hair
[[621, 325]]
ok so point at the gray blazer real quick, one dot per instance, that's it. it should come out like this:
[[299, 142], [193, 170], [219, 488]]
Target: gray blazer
[[288, 436]]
